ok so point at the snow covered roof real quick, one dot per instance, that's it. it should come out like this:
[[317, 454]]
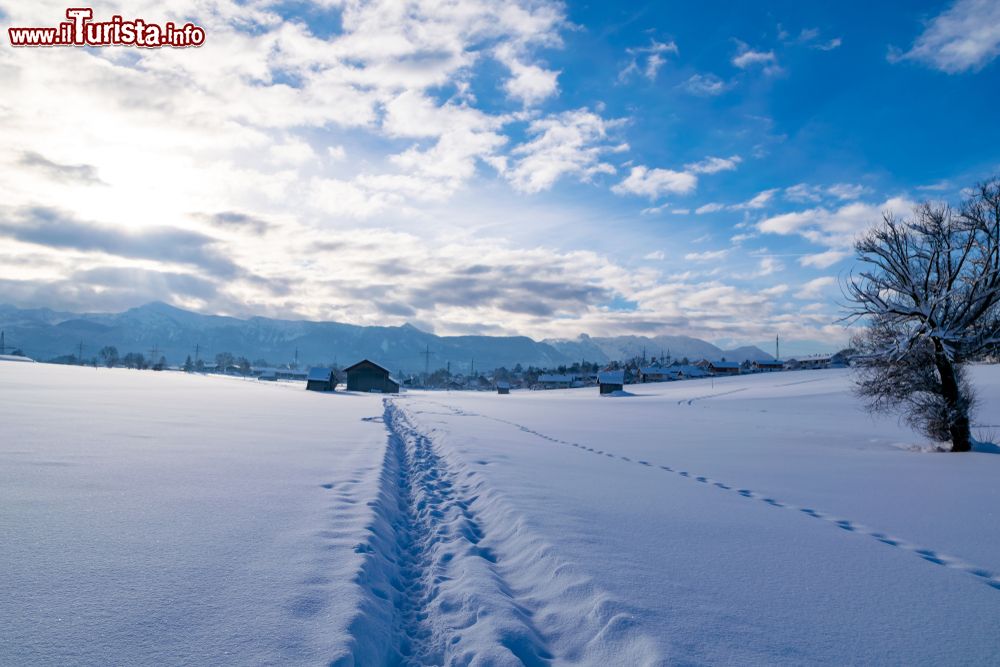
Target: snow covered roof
[[503, 384], [655, 370], [611, 377], [14, 357], [814, 357], [725, 364], [319, 373], [688, 369]]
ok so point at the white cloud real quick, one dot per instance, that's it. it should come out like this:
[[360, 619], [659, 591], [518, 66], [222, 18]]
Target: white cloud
[[846, 190], [712, 165], [705, 85], [747, 58], [815, 288], [655, 183], [803, 192], [758, 201], [569, 143], [711, 207], [707, 256], [655, 255], [964, 37], [823, 260], [836, 229], [810, 37], [529, 83], [647, 60]]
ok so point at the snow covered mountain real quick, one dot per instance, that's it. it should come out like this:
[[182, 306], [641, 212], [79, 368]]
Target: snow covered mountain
[[627, 347], [176, 333]]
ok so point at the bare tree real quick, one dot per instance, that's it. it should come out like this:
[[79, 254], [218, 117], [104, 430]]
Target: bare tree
[[929, 296]]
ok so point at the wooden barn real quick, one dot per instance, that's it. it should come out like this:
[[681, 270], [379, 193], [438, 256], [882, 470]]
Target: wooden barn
[[321, 379], [367, 376], [503, 387], [611, 381]]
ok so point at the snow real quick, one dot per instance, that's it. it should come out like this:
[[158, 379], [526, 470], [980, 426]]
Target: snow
[[179, 519], [762, 519], [14, 357]]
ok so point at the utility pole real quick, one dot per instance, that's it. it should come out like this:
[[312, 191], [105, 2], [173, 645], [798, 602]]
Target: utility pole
[[197, 351], [427, 362], [777, 348], [80, 355], [3, 345], [473, 371], [296, 357]]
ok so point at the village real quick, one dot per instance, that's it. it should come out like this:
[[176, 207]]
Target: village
[[369, 376]]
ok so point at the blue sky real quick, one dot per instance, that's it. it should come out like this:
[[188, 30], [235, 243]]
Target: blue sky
[[539, 168]]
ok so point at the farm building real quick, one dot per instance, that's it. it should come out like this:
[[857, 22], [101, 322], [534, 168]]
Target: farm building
[[321, 379], [769, 365], [656, 374], [724, 367], [552, 381], [368, 376], [503, 387], [611, 381], [812, 362]]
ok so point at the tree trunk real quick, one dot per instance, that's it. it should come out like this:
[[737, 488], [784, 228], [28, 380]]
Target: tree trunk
[[958, 416]]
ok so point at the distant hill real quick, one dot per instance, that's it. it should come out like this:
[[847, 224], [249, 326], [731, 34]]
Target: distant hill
[[175, 333]]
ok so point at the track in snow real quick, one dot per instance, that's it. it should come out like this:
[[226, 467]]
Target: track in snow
[[988, 577], [435, 592]]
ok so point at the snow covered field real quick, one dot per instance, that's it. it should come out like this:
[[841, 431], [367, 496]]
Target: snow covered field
[[164, 518]]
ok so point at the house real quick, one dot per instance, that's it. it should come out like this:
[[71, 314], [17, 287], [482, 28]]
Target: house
[[368, 376], [687, 372], [724, 367], [769, 365], [503, 387], [268, 375], [321, 379], [656, 374], [817, 361], [611, 381]]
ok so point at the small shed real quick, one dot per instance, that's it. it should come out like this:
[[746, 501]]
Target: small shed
[[321, 379], [769, 365], [503, 387], [367, 376], [611, 381]]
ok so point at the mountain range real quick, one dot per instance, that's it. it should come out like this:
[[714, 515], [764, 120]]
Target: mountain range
[[159, 329]]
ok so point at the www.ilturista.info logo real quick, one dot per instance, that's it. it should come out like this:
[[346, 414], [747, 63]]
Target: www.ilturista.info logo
[[80, 30]]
